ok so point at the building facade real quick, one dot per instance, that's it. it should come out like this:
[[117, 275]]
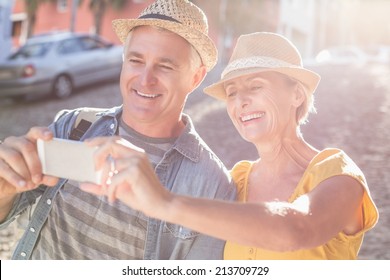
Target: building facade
[[311, 25], [60, 15], [5, 28]]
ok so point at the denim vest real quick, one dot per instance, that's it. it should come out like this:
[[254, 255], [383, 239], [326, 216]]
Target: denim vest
[[188, 168]]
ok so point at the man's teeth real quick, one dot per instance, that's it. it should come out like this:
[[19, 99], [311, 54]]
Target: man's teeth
[[147, 95], [251, 117]]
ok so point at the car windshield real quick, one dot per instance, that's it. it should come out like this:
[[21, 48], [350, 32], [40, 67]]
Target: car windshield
[[32, 50]]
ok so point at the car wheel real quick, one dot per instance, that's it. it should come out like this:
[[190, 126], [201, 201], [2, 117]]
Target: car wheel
[[62, 87]]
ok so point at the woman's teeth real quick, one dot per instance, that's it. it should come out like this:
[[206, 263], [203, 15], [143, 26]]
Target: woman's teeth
[[251, 117]]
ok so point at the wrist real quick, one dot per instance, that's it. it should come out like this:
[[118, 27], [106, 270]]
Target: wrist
[[6, 203], [166, 210]]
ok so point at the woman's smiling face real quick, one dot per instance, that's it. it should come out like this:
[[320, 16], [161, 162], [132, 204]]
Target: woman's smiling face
[[261, 105]]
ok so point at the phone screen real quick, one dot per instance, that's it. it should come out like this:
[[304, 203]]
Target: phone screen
[[68, 159]]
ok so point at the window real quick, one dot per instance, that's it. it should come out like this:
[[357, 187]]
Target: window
[[70, 46], [62, 5], [33, 50], [17, 28], [91, 44]]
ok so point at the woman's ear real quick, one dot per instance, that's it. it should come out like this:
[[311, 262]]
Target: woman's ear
[[299, 95]]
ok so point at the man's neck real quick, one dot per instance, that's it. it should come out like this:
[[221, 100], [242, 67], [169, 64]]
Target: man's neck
[[157, 129]]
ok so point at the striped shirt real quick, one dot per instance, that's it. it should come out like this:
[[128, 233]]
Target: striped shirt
[[155, 148], [85, 226]]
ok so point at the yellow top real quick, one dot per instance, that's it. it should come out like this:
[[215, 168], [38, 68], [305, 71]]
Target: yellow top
[[328, 163]]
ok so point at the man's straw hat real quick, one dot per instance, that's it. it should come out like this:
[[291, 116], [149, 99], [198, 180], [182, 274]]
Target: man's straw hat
[[261, 52], [179, 16]]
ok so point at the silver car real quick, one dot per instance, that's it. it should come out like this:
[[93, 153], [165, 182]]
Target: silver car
[[57, 64]]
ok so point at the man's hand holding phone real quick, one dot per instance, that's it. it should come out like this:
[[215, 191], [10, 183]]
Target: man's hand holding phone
[[20, 168]]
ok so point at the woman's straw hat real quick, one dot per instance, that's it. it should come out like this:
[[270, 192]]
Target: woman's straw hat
[[179, 16], [261, 52]]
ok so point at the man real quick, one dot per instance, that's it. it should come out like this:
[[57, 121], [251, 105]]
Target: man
[[166, 56]]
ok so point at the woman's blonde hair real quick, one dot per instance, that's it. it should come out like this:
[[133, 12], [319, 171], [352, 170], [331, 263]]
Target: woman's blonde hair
[[307, 105]]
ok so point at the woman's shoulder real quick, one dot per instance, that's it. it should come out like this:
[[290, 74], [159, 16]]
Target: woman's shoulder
[[241, 168], [335, 160], [240, 173], [332, 162]]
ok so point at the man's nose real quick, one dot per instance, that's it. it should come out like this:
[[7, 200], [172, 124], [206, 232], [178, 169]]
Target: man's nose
[[147, 76]]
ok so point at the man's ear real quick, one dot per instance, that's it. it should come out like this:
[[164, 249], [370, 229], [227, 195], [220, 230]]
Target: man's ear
[[199, 76]]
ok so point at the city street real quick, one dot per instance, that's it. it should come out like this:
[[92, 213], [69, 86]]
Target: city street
[[353, 105]]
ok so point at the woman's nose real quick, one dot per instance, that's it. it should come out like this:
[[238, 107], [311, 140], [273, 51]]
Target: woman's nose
[[243, 99]]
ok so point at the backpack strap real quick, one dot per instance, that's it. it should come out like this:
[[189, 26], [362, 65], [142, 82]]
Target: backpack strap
[[84, 120]]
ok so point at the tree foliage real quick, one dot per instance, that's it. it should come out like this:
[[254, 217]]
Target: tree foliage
[[97, 7], [31, 11]]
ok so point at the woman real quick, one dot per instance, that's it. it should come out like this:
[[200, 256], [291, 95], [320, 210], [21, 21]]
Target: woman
[[299, 202]]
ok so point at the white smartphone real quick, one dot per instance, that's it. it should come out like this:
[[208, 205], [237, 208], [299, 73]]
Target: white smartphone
[[68, 159]]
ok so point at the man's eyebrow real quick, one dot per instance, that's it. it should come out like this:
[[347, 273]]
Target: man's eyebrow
[[168, 61], [133, 53], [160, 60]]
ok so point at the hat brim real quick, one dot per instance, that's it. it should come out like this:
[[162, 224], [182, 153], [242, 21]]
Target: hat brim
[[201, 42], [308, 78]]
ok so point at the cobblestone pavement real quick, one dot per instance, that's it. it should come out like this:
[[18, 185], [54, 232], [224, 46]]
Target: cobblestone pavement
[[353, 107]]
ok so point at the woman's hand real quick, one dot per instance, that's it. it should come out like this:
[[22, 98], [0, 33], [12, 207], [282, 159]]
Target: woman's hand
[[127, 175]]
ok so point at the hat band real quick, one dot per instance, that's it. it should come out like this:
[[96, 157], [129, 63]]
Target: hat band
[[158, 16], [256, 62]]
